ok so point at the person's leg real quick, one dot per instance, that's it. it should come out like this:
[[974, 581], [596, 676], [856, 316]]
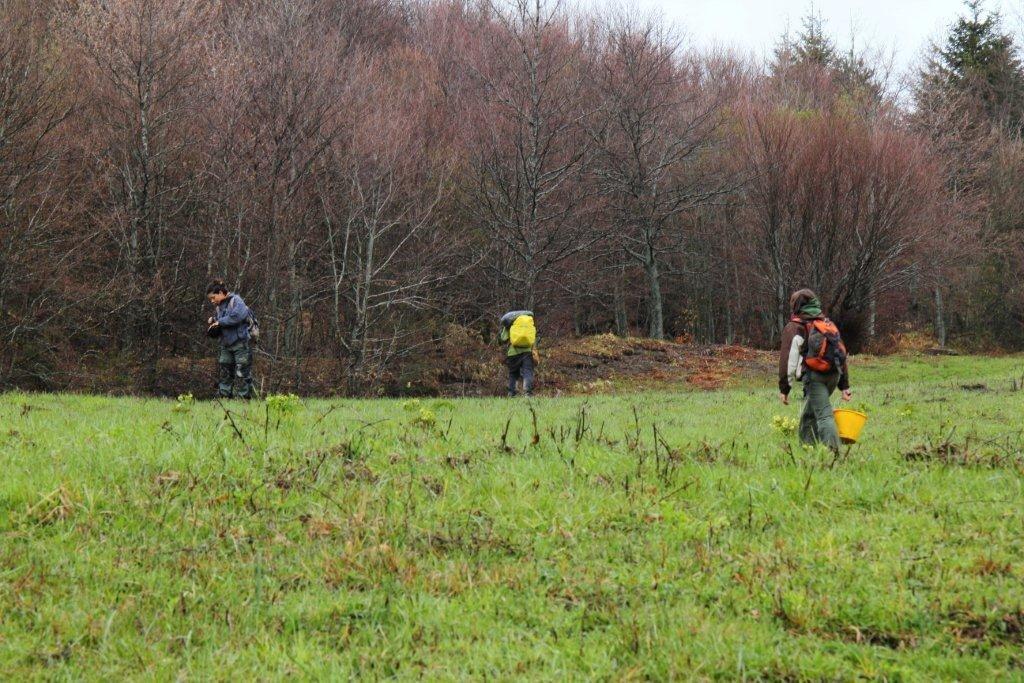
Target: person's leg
[[808, 419], [817, 421], [243, 369], [826, 429], [226, 366], [513, 374], [527, 373]]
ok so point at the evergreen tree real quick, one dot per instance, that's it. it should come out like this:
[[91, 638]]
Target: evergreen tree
[[979, 63], [970, 102], [858, 78], [810, 46], [814, 47]]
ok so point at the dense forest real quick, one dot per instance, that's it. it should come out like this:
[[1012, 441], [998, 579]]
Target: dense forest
[[375, 176]]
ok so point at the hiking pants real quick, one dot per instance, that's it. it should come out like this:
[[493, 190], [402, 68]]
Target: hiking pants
[[817, 422], [520, 366], [235, 363]]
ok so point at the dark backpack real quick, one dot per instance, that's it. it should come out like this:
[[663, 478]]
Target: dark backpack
[[252, 322], [254, 327], [824, 350]]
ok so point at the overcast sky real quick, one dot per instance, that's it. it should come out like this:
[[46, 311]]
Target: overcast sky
[[899, 27]]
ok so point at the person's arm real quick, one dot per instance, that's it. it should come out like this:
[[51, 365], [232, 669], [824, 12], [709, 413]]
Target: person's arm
[[796, 358], [791, 340], [234, 314], [844, 382]]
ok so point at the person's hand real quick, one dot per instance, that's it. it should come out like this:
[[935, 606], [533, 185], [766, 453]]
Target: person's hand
[[784, 398], [210, 321], [847, 395], [214, 323]]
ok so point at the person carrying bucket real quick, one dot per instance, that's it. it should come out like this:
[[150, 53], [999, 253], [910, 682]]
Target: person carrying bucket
[[520, 333], [813, 352]]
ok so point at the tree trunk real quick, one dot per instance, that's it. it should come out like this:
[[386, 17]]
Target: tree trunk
[[940, 319], [531, 291], [781, 305], [619, 302], [710, 330], [336, 312], [357, 343], [872, 318], [655, 308], [339, 271], [154, 354]]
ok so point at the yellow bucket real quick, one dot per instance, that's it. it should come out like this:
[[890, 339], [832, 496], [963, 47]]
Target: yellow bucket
[[849, 423]]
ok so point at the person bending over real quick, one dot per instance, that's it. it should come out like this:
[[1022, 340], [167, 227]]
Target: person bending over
[[231, 322]]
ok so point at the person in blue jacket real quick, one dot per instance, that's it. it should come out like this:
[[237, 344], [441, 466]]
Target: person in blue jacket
[[230, 323]]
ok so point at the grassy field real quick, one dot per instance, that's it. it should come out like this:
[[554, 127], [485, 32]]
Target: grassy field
[[658, 535]]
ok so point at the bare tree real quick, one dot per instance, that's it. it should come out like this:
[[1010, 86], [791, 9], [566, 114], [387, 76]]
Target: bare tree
[[371, 173], [278, 93], [33, 105], [382, 183], [142, 63], [837, 204], [528, 148], [661, 119]]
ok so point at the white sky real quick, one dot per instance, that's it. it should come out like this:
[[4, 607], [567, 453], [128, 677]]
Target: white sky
[[900, 28]]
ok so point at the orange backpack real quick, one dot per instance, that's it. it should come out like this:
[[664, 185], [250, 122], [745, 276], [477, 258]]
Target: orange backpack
[[824, 350]]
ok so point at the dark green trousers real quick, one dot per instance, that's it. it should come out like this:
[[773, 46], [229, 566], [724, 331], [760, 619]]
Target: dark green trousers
[[235, 363], [817, 422]]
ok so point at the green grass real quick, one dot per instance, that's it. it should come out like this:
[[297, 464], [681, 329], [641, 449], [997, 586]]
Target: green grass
[[448, 539]]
